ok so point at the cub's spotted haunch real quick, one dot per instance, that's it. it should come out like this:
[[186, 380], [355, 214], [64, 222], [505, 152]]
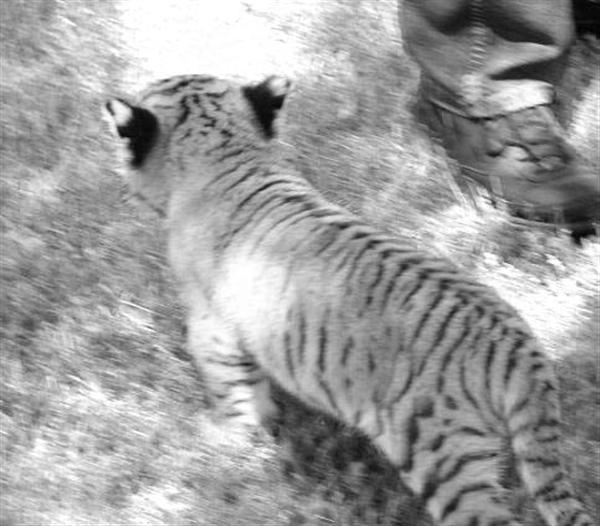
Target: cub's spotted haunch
[[281, 284]]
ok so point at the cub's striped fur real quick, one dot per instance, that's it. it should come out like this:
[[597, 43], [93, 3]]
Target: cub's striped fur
[[281, 284]]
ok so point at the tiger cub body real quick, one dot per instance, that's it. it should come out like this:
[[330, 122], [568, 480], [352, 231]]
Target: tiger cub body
[[280, 284]]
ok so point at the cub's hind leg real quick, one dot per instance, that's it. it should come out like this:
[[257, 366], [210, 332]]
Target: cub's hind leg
[[238, 388], [453, 460]]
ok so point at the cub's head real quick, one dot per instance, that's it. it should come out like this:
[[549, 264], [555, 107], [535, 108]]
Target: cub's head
[[184, 130]]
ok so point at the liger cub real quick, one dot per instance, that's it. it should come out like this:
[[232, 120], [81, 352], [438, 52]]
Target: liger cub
[[282, 285]]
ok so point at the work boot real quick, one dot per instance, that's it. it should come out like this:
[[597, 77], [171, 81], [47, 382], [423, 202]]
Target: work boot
[[522, 160]]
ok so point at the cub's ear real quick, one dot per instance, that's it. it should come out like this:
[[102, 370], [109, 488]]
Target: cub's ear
[[266, 99], [138, 125]]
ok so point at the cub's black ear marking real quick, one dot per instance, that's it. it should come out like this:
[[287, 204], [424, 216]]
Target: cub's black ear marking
[[267, 99], [136, 124]]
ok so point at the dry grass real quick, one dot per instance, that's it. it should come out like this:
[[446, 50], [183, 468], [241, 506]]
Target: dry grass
[[102, 417]]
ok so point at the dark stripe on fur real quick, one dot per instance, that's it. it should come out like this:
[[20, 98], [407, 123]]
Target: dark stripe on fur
[[322, 342], [453, 505], [301, 337]]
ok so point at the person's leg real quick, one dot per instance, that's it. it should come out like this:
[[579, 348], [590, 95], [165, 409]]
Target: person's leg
[[488, 74], [489, 57]]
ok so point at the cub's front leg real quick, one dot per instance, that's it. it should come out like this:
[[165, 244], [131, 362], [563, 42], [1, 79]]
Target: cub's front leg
[[239, 389]]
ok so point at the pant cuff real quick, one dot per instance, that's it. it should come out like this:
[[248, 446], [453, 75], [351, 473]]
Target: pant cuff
[[500, 98]]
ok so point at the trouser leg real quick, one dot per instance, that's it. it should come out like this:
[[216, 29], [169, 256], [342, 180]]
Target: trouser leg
[[489, 56]]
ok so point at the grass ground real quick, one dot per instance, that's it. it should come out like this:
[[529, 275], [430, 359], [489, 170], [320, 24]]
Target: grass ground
[[102, 416]]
